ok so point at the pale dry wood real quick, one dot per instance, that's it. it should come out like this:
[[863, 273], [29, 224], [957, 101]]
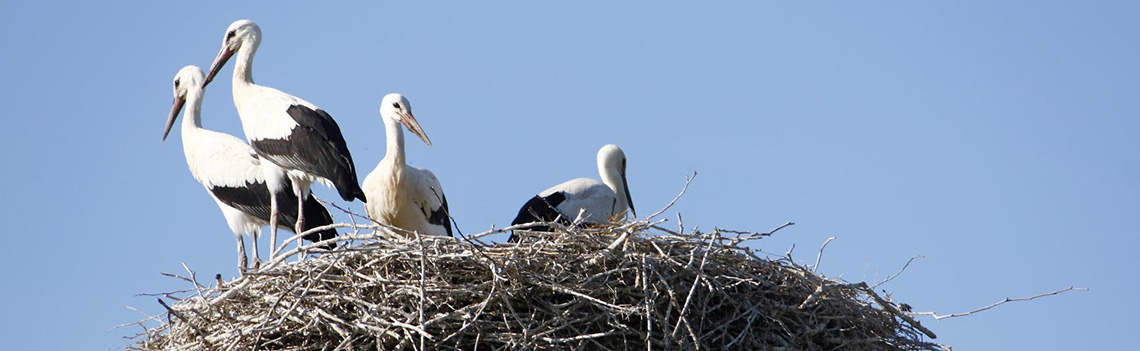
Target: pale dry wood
[[893, 276], [999, 303], [621, 286], [815, 267], [688, 180]]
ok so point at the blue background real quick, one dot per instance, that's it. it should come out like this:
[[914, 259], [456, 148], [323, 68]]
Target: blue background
[[998, 140]]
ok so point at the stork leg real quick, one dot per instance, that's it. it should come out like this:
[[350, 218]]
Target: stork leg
[[301, 218], [302, 197], [256, 256], [243, 262], [272, 225]]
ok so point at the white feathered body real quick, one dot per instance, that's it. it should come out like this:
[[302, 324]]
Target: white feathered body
[[596, 201], [404, 197], [222, 160]]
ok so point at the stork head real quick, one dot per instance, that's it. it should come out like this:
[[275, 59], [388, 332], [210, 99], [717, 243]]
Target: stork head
[[187, 83], [611, 161], [240, 33], [397, 108]]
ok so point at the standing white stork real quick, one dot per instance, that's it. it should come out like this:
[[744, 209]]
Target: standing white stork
[[400, 195], [596, 201], [295, 136], [231, 171]]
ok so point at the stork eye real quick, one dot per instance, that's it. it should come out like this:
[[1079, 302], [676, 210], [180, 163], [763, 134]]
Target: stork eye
[[396, 105], [230, 35], [176, 82]]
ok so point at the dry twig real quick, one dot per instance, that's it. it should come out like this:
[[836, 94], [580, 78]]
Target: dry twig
[[996, 304]]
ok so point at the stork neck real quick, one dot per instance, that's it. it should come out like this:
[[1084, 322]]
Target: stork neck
[[612, 179], [192, 119], [192, 129], [395, 138], [243, 68], [243, 76]]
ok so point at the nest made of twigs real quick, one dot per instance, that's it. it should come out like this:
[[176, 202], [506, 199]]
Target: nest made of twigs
[[621, 287]]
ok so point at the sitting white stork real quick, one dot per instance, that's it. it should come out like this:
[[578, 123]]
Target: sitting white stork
[[597, 202], [399, 195], [231, 172], [295, 136]]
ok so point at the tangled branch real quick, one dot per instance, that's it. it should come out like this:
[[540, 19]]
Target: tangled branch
[[624, 286]]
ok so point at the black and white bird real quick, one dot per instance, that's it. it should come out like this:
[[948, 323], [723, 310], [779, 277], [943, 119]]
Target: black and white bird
[[231, 171], [583, 200], [400, 195], [293, 135]]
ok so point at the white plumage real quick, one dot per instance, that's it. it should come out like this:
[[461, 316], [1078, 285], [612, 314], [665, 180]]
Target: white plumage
[[230, 170], [399, 195], [296, 137], [584, 200]]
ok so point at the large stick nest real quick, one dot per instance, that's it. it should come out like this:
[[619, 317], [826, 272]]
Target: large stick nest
[[621, 287]]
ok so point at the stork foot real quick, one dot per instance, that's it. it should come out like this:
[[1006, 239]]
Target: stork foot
[[242, 266]]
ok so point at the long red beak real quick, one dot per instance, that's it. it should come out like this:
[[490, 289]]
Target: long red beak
[[219, 62], [174, 111], [628, 198], [414, 126]]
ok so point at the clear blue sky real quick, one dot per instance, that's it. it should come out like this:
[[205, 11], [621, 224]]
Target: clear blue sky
[[999, 140]]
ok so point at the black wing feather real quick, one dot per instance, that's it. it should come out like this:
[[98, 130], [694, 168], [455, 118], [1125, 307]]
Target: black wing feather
[[253, 198], [440, 216], [540, 209], [315, 146]]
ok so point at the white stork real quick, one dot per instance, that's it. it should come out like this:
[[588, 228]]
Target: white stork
[[295, 136], [400, 195], [596, 201], [230, 170]]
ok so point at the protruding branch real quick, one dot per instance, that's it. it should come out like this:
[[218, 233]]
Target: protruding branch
[[999, 303], [899, 272], [678, 197], [815, 267]]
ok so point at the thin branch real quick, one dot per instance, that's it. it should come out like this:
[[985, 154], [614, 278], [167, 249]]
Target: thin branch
[[758, 234], [899, 272], [999, 303], [577, 338], [686, 187], [815, 267], [181, 317], [895, 311]]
